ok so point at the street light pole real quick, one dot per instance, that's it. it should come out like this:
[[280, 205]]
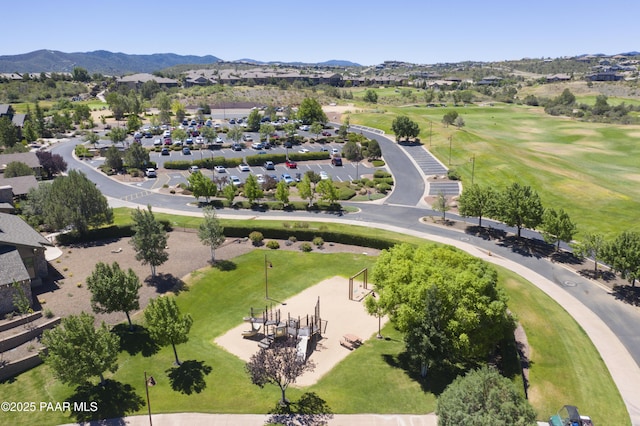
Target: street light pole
[[148, 382], [473, 168], [267, 265], [450, 139]]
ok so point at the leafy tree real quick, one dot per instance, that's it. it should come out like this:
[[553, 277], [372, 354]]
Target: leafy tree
[[316, 129], [114, 290], [310, 111], [449, 118], [373, 150], [17, 168], [81, 113], [459, 122], [208, 133], [136, 156], [178, 110], [520, 206], [165, 323], [8, 132], [403, 126], [266, 129], [20, 300], [163, 102], [235, 133], [118, 104], [202, 186], [557, 227], [484, 397], [591, 245], [370, 96], [253, 121], [474, 309], [305, 190], [211, 232], [252, 189], [91, 138], [75, 201], [352, 151], [442, 204], [327, 191], [282, 192], [118, 134], [149, 89], [81, 74], [373, 307], [278, 365], [133, 123], [149, 240], [477, 201], [229, 193], [76, 350], [623, 255], [113, 159]]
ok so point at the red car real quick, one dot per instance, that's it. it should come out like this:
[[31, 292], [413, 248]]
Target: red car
[[291, 164], [325, 133]]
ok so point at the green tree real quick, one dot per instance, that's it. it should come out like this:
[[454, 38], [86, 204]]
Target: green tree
[[253, 121], [282, 192], [149, 240], [484, 397], [520, 206], [442, 204], [17, 168], [113, 159], [75, 201], [81, 74], [316, 129], [474, 309], [370, 96], [252, 189], [557, 227], [403, 126], [235, 133], [202, 186], [591, 246], [91, 138], [178, 110], [305, 189], [118, 104], [81, 113], [477, 201], [266, 130], [179, 134], [373, 150], [327, 191], [211, 232], [311, 111], [20, 300], [114, 290], [352, 151], [133, 123], [229, 193], [623, 255], [118, 134], [76, 350], [165, 323], [8, 132], [163, 102], [449, 118], [149, 89], [136, 156]]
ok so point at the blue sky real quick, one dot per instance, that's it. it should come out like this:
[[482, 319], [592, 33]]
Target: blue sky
[[366, 32]]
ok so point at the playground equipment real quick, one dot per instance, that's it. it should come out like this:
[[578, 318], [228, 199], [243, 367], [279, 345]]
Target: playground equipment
[[569, 416], [305, 330], [359, 293]]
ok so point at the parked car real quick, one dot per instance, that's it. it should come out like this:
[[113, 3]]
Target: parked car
[[304, 128], [326, 133], [288, 144], [235, 180], [336, 160], [186, 151], [189, 141], [269, 165], [260, 178], [303, 150], [219, 140], [291, 164], [220, 169], [165, 151], [287, 178], [244, 167], [157, 142], [324, 149], [236, 147], [324, 175], [151, 172], [247, 138], [258, 145], [335, 151], [194, 169]]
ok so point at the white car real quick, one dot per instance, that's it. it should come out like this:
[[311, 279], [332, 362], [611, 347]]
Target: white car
[[287, 178], [303, 150], [220, 169], [194, 169], [244, 167], [324, 175], [260, 179], [199, 140], [235, 180], [335, 151], [219, 139], [157, 142], [151, 172]]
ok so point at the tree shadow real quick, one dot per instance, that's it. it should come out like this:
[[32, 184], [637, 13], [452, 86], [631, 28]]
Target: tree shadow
[[135, 341], [188, 377], [166, 283], [485, 233], [565, 257], [437, 379], [224, 265], [627, 294], [606, 276], [309, 410], [112, 399], [527, 247]]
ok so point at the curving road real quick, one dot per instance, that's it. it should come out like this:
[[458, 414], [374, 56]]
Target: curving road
[[401, 211]]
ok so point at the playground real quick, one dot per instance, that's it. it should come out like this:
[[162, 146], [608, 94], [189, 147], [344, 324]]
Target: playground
[[339, 316]]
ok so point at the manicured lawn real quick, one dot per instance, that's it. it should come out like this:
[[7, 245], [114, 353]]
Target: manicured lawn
[[375, 378], [588, 169]]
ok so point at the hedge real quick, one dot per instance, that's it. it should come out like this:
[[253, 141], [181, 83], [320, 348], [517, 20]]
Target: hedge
[[107, 232]]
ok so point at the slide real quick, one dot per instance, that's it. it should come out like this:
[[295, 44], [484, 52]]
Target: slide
[[302, 348]]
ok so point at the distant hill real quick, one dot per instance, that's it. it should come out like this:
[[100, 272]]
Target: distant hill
[[330, 63], [99, 61]]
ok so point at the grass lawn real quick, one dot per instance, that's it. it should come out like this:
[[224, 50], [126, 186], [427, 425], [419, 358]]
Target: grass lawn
[[588, 169], [375, 378]]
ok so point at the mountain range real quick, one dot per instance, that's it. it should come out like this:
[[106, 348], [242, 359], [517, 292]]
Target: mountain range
[[109, 63]]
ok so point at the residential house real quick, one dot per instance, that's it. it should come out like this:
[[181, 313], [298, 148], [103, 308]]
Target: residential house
[[28, 158], [22, 258], [134, 81], [17, 119]]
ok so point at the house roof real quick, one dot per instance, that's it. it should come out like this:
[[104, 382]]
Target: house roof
[[20, 185], [16, 232], [11, 266], [29, 158], [4, 109], [18, 119]]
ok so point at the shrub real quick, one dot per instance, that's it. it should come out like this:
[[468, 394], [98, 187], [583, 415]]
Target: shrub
[[381, 174], [378, 163], [301, 225], [273, 245], [286, 225], [48, 313], [383, 188], [318, 242], [293, 239], [306, 247], [256, 238], [453, 174], [345, 193]]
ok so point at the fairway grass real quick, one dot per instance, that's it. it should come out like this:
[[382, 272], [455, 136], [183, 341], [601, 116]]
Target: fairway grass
[[373, 379], [588, 169]]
